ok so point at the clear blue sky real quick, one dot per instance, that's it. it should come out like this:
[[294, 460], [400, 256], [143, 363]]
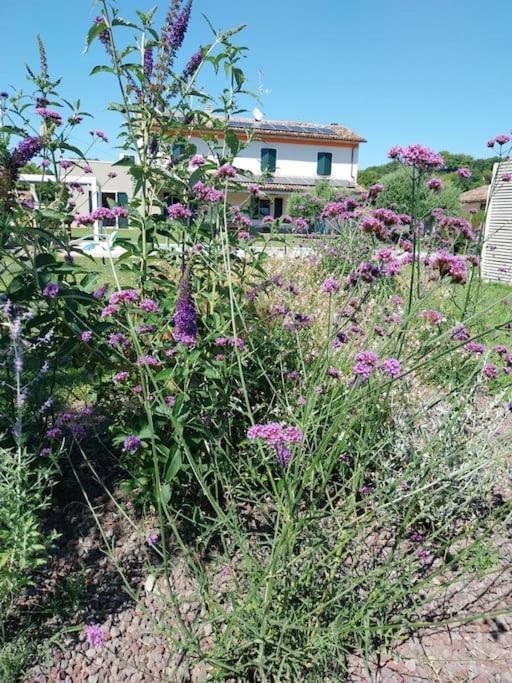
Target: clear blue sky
[[397, 71]]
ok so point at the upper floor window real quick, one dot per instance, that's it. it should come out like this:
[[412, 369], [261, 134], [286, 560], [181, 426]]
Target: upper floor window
[[324, 163], [268, 159], [178, 151]]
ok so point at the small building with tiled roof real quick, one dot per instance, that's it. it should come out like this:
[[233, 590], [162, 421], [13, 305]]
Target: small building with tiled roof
[[475, 198]]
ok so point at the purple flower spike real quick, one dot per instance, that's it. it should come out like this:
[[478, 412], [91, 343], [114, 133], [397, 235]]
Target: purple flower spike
[[26, 150], [148, 62], [185, 330]]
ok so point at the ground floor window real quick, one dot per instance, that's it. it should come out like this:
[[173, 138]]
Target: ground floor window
[[110, 199], [264, 207]]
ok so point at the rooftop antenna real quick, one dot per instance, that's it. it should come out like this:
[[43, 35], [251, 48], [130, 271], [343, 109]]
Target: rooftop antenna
[[257, 113]]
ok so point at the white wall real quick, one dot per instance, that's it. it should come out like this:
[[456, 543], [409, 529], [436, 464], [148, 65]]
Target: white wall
[[497, 245], [123, 182], [296, 160]]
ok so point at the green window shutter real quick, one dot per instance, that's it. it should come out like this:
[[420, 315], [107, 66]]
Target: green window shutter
[[268, 159], [324, 163], [178, 151], [122, 200]]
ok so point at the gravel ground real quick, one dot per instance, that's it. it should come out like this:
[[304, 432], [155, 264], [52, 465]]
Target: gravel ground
[[135, 650]]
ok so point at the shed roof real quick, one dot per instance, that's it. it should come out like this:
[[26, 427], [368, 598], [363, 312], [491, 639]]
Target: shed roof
[[477, 194]]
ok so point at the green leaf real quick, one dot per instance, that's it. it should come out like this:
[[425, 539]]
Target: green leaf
[[17, 284], [13, 130], [92, 34], [123, 22], [174, 466], [165, 493], [72, 148], [145, 432], [102, 68]]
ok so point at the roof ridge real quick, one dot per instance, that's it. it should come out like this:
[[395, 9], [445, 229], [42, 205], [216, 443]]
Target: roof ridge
[[315, 129]]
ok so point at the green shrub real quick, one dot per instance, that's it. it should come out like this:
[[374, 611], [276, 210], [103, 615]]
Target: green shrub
[[397, 192]]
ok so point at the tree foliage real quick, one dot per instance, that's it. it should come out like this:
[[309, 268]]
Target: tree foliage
[[481, 171]]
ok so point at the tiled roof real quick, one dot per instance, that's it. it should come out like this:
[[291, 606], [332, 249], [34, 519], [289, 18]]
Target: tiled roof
[[321, 131], [477, 194], [295, 183]]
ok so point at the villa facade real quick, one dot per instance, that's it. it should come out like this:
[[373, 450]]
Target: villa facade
[[284, 157]]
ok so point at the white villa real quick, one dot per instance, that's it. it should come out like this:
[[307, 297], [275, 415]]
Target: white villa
[[281, 157], [284, 157]]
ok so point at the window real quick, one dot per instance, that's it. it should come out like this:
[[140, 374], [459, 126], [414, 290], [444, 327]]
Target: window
[[263, 207], [278, 207], [108, 201], [122, 200], [324, 163], [268, 159]]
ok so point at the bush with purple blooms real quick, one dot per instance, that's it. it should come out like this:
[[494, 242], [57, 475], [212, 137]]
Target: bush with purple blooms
[[320, 430]]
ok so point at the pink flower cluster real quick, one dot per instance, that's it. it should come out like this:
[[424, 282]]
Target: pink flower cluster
[[254, 190], [241, 220], [418, 156], [337, 211], [449, 265], [330, 286], [366, 363], [341, 209], [148, 361], [435, 184], [431, 316], [375, 190], [231, 341], [94, 635], [197, 160], [391, 367], [49, 115], [501, 139], [278, 436], [207, 194], [102, 214], [464, 172], [123, 296], [121, 376], [149, 306], [178, 210], [457, 225], [226, 171], [371, 225]]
